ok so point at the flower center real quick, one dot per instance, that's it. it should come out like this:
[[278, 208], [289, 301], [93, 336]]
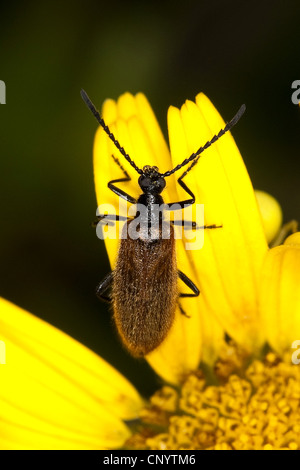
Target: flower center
[[256, 407]]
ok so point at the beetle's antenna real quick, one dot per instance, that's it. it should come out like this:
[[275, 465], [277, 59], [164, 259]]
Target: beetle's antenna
[[90, 105], [228, 126]]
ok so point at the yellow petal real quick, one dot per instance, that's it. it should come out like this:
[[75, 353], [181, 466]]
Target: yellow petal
[[180, 352], [293, 239], [280, 294], [271, 214], [56, 393], [228, 265]]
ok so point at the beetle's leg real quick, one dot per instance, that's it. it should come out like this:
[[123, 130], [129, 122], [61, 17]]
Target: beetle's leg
[[109, 219], [190, 284], [104, 285], [119, 192], [117, 161], [193, 225], [186, 202], [183, 312]]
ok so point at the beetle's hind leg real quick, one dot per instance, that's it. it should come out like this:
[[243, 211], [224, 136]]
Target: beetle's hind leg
[[103, 287], [183, 312], [195, 291]]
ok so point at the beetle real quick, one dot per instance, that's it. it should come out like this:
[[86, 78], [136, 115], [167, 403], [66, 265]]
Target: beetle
[[144, 283]]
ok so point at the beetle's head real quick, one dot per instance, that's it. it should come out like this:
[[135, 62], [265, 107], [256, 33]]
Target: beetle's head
[[151, 181]]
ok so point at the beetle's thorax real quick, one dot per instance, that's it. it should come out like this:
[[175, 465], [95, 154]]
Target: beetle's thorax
[[149, 203], [149, 199]]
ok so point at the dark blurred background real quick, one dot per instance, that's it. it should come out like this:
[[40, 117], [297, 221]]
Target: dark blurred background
[[236, 52]]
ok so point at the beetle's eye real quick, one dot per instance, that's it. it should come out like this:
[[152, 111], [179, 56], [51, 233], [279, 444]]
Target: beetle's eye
[[161, 182], [145, 182]]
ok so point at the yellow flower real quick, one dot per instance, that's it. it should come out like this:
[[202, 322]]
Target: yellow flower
[[279, 298], [57, 394], [228, 266], [248, 291]]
